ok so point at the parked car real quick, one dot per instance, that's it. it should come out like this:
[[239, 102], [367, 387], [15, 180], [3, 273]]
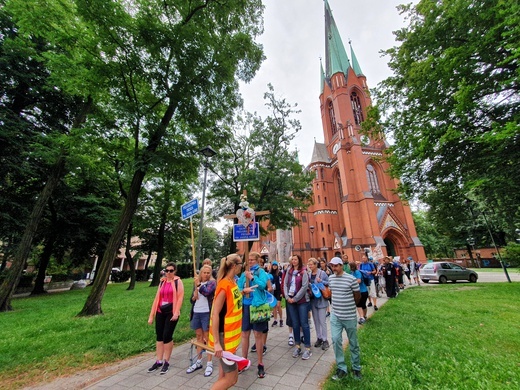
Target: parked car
[[442, 271]]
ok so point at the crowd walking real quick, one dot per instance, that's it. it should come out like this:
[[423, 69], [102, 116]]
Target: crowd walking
[[247, 295]]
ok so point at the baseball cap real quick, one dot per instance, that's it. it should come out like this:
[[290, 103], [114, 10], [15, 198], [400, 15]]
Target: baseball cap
[[274, 263], [335, 260]]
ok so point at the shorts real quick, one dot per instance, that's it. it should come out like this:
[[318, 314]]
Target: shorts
[[200, 321], [246, 321], [372, 289], [223, 366]]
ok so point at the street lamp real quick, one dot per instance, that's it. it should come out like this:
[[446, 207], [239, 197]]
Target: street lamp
[[207, 152], [311, 228]]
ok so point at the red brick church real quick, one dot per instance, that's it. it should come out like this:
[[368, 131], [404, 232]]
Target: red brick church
[[355, 205]]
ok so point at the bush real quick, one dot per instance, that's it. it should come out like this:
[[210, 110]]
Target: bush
[[119, 276], [142, 275], [184, 270]]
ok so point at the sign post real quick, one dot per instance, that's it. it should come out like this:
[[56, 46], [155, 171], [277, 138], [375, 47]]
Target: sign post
[[188, 210]]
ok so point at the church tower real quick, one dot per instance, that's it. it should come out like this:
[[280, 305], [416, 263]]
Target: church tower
[[355, 205]]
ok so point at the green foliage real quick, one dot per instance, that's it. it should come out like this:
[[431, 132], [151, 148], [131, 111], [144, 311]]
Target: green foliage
[[435, 243], [452, 107], [257, 158], [442, 337], [512, 254], [46, 333]]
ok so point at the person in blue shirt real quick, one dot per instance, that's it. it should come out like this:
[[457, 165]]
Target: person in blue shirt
[[371, 270], [362, 303], [253, 285]]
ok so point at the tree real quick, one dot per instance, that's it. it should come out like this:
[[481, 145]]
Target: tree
[[452, 106], [257, 158], [157, 71]]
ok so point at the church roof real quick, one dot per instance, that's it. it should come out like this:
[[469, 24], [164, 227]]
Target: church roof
[[355, 63], [319, 154], [336, 59]]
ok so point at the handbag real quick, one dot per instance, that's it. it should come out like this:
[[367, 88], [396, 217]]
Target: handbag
[[166, 308], [325, 291], [260, 313]]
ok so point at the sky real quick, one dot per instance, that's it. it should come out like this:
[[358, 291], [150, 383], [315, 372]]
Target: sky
[[294, 42]]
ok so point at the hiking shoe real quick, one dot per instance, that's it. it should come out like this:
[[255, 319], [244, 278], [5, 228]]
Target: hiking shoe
[[209, 369], [369, 304], [275, 323], [357, 375], [265, 350], [253, 348], [306, 354], [318, 343], [297, 352], [361, 320], [376, 308], [194, 367], [325, 345], [155, 366], [339, 375], [281, 323], [261, 371], [165, 368], [291, 341]]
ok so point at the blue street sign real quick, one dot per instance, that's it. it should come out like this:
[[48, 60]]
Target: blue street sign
[[251, 233], [190, 208]]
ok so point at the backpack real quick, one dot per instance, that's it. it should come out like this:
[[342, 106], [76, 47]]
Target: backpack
[[366, 278]]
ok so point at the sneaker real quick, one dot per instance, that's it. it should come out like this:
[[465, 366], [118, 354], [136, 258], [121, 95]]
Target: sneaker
[[306, 354], [318, 343], [328, 314], [155, 366], [297, 352], [376, 308], [281, 323], [194, 367], [165, 368], [361, 320], [275, 323], [265, 350], [339, 375], [291, 341], [243, 365], [209, 369], [357, 375], [261, 371], [253, 348], [325, 345], [369, 304]]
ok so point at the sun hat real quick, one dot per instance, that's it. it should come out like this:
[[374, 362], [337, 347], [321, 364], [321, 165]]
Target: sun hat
[[271, 300], [315, 291]]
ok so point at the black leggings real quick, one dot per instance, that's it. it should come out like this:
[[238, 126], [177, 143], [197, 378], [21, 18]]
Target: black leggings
[[164, 327], [363, 300]]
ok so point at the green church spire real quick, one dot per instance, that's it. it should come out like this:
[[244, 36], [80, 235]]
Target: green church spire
[[355, 63], [336, 59]]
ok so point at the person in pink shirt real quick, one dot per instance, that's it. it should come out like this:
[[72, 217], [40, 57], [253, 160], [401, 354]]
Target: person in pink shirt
[[166, 310]]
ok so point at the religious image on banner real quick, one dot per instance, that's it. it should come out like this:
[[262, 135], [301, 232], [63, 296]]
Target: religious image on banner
[[284, 244], [246, 215], [273, 250], [378, 253]]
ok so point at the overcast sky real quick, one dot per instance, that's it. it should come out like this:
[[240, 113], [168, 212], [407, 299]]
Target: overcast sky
[[294, 42]]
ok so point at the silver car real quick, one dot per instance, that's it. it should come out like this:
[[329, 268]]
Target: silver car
[[442, 271]]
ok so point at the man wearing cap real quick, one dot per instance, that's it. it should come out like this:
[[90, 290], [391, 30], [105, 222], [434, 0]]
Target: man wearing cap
[[345, 295]]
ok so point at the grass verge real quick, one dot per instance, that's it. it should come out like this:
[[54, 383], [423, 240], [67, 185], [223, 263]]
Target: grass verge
[[447, 337], [42, 338]]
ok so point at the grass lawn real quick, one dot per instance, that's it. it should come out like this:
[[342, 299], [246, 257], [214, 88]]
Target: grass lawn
[[500, 270], [442, 337], [43, 339]]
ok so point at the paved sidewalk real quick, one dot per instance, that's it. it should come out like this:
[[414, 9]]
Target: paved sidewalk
[[283, 372]]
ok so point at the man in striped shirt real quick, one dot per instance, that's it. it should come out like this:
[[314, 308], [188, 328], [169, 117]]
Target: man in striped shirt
[[345, 295]]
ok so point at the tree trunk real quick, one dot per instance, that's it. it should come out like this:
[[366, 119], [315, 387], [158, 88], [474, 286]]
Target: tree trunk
[[129, 257], [24, 249], [44, 262], [160, 254], [93, 304]]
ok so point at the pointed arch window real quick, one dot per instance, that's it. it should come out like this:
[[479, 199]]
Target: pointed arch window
[[340, 189], [373, 182], [332, 118], [357, 110]]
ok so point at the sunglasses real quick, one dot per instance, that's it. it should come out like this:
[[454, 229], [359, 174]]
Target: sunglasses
[[169, 270]]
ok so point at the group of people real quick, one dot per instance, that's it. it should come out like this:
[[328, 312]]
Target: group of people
[[225, 311]]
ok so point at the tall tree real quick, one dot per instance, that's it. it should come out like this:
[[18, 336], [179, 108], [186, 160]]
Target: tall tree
[[257, 158], [452, 106]]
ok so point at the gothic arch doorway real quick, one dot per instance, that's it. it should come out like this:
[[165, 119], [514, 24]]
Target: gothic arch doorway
[[390, 247]]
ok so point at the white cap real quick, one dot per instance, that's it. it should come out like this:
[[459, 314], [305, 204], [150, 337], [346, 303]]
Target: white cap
[[335, 260]]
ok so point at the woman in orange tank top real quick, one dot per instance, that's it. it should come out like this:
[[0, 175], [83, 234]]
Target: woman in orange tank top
[[226, 319]]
